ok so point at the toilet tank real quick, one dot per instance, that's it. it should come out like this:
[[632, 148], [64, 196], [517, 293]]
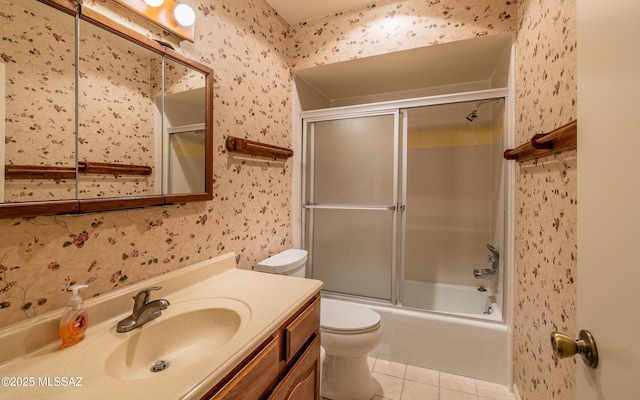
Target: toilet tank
[[289, 262]]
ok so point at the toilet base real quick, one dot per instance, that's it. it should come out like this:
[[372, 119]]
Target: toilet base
[[346, 378]]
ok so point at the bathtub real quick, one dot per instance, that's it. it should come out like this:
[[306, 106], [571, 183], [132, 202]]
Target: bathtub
[[463, 341], [451, 299]]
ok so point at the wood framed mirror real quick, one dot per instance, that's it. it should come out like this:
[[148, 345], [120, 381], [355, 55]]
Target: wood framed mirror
[[97, 116]]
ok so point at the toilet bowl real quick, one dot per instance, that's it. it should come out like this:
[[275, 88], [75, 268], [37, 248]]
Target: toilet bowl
[[348, 332]]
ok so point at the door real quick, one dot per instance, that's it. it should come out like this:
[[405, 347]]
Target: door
[[609, 196], [350, 200]]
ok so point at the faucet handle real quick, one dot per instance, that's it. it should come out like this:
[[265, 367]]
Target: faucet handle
[[142, 297]]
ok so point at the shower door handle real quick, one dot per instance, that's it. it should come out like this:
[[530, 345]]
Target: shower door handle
[[347, 207]]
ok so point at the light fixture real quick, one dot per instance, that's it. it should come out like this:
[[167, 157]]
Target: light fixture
[[154, 3], [179, 19], [184, 15]]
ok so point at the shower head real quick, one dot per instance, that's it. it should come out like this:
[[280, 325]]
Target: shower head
[[473, 114]]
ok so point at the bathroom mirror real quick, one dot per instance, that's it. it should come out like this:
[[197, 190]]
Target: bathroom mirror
[[37, 103], [144, 116], [119, 100], [184, 112]]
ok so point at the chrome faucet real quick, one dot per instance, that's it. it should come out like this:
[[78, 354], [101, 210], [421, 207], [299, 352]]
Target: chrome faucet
[[143, 310], [491, 272]]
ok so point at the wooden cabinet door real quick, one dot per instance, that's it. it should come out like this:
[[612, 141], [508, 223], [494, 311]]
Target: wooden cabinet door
[[254, 379], [303, 381]]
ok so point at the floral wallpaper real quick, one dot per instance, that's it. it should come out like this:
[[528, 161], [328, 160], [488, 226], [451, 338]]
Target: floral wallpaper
[[246, 44], [390, 26], [546, 202]]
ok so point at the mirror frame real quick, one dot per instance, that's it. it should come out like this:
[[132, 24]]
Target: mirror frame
[[79, 206]]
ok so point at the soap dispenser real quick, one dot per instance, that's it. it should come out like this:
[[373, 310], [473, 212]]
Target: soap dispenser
[[74, 319]]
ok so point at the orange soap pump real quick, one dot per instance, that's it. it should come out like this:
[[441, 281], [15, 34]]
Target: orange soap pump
[[74, 319]]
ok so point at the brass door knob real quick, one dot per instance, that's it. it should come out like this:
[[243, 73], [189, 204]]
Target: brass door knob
[[564, 346]]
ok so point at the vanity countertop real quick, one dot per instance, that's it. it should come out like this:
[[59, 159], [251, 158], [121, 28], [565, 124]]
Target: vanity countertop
[[32, 364]]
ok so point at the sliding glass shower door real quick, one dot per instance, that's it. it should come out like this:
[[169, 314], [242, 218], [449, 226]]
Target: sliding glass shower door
[[400, 204], [350, 172]]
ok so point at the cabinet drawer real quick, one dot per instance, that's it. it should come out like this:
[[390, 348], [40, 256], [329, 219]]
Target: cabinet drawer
[[298, 332], [252, 382]]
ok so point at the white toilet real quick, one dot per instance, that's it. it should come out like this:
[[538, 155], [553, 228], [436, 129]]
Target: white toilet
[[348, 332]]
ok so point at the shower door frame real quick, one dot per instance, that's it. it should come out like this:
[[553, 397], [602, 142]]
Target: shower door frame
[[400, 170], [394, 207]]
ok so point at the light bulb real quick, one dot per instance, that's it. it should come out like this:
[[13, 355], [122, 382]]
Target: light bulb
[[154, 3], [184, 15]]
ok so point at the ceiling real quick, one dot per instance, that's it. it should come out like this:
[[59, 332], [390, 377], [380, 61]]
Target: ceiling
[[296, 11]]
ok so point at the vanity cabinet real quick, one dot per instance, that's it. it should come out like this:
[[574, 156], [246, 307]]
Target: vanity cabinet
[[285, 366]]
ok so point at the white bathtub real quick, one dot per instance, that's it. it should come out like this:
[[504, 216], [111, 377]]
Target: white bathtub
[[458, 342], [451, 299]]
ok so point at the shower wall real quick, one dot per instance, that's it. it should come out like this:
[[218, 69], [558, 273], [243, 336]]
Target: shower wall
[[447, 230]]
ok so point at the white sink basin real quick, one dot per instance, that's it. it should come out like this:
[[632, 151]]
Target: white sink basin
[[185, 333]]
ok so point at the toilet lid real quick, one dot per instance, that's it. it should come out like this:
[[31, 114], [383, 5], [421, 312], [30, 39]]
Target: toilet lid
[[343, 317], [283, 262]]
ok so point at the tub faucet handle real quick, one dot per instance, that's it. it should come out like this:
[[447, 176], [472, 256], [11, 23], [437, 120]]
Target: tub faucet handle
[[494, 257]]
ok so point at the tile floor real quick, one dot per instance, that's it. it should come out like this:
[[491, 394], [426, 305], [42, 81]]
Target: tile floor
[[394, 381]]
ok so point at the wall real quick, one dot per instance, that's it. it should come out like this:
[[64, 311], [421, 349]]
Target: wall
[[546, 203], [246, 44], [389, 26]]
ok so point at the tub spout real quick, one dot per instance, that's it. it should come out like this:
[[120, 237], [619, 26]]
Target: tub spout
[[491, 272]]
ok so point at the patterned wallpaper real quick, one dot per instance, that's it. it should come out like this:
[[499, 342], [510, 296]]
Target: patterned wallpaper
[[546, 203], [390, 26], [246, 44]]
